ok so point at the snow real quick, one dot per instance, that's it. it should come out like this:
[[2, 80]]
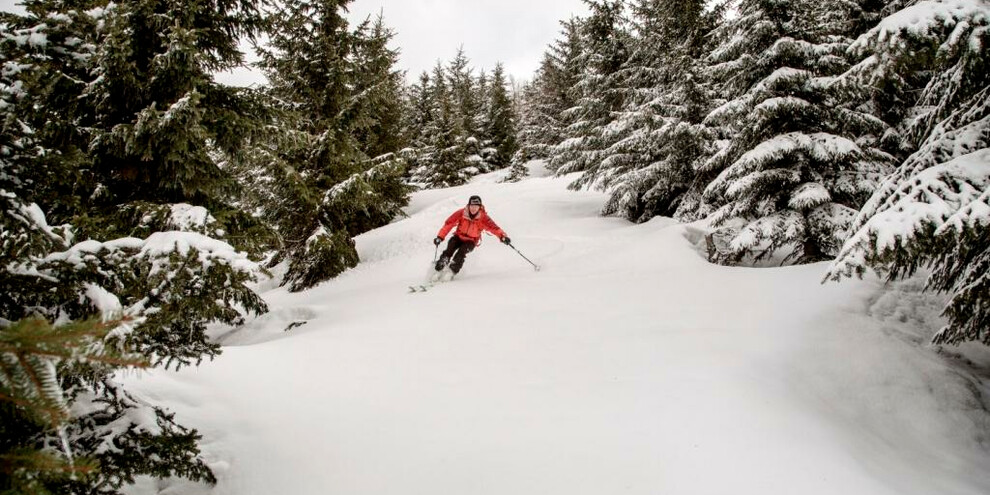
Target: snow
[[772, 105], [628, 364], [808, 195], [782, 76], [37, 219], [185, 216], [946, 195], [922, 17], [922, 20], [104, 301], [160, 244], [747, 170], [729, 109]]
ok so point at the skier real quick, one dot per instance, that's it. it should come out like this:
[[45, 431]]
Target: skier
[[470, 222]]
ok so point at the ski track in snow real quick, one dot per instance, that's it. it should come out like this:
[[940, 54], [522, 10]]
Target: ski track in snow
[[628, 364]]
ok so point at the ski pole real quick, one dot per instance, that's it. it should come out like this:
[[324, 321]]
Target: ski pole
[[435, 252], [535, 266]]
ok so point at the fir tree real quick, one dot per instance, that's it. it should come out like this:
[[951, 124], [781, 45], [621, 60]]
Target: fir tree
[[794, 172], [335, 109], [549, 96], [465, 95], [32, 399], [445, 159], [933, 210], [595, 93], [159, 114], [500, 127], [418, 112], [46, 117], [544, 101], [381, 83], [658, 136], [73, 55]]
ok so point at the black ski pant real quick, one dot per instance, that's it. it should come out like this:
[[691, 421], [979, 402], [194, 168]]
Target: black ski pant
[[457, 250]]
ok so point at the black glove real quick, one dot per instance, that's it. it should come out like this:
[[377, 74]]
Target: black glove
[[437, 241], [506, 240]]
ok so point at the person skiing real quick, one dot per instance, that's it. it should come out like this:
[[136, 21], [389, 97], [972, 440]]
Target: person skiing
[[470, 223]]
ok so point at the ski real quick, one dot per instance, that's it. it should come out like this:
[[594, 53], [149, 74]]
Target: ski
[[435, 279]]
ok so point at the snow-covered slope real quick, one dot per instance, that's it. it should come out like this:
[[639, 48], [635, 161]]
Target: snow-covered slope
[[628, 364]]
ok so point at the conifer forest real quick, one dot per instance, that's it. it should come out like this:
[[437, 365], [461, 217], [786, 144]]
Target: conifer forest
[[141, 200]]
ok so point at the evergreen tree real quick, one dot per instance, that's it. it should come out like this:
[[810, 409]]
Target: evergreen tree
[[381, 83], [465, 95], [308, 64], [545, 100], [596, 92], [46, 117], [934, 210], [531, 120], [418, 111], [482, 90], [444, 160], [32, 399], [459, 125], [65, 143], [659, 135], [500, 127], [794, 170], [333, 110], [159, 114]]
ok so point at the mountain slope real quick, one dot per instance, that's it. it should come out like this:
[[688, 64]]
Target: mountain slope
[[628, 364]]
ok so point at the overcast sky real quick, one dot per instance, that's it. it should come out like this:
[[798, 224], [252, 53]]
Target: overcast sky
[[514, 32]]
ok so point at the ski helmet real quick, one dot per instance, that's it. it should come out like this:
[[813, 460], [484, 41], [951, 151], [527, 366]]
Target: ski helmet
[[474, 200]]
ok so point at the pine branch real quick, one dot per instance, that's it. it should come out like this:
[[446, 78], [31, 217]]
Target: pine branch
[[31, 347]]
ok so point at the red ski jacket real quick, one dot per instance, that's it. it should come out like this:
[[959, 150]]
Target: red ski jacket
[[470, 229]]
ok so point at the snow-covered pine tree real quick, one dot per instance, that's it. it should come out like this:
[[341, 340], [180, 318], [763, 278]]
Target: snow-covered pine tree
[[160, 115], [443, 162], [416, 116], [794, 170], [31, 350], [934, 210], [482, 89], [163, 128], [658, 135], [536, 119], [531, 120], [47, 67], [559, 77], [465, 95], [60, 123], [376, 194], [329, 101], [381, 83], [544, 101], [468, 98], [597, 92], [172, 284], [500, 121], [306, 62]]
